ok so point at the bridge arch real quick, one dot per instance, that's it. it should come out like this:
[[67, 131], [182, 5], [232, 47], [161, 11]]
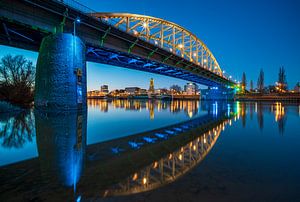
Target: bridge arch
[[166, 35]]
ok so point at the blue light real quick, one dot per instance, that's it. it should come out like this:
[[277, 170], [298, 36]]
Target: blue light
[[78, 199], [78, 20]]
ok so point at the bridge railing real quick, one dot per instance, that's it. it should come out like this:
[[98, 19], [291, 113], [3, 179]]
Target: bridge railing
[[78, 6]]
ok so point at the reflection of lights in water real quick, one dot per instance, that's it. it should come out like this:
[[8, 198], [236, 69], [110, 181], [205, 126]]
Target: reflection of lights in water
[[135, 176], [144, 180], [256, 107], [230, 122], [155, 164], [170, 156], [180, 157], [194, 147], [279, 111], [228, 109], [215, 108], [299, 110]]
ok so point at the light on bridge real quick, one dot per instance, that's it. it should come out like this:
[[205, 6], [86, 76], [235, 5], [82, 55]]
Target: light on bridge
[[77, 20], [180, 46], [145, 25]]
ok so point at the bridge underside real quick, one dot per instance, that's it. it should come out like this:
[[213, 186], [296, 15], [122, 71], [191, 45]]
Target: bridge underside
[[107, 56]]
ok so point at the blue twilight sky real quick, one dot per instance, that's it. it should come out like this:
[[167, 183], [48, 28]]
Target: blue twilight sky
[[243, 36]]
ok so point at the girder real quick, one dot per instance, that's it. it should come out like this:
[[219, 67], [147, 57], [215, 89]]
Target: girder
[[164, 34]]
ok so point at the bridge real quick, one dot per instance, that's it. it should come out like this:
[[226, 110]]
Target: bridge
[[67, 34]]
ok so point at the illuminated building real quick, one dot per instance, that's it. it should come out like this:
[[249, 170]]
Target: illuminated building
[[151, 87], [104, 89]]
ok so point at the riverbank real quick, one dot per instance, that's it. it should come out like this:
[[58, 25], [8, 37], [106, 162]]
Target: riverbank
[[167, 97], [295, 97]]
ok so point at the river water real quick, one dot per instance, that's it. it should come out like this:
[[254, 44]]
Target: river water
[[153, 150]]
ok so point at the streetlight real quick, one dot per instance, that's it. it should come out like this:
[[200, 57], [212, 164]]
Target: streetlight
[[76, 21]]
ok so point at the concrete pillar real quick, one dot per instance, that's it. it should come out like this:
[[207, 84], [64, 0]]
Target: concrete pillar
[[60, 82]]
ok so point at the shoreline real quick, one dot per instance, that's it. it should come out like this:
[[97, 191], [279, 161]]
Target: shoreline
[[269, 97]]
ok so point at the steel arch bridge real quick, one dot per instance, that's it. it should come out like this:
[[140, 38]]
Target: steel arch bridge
[[166, 35]]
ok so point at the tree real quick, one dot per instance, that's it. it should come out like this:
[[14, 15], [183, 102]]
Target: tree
[[251, 85], [244, 82], [261, 81], [282, 84], [17, 76], [175, 88]]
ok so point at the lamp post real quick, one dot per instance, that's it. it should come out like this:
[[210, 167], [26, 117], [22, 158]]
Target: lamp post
[[76, 21]]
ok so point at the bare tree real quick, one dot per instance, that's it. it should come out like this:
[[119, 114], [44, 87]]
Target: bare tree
[[261, 81], [17, 75], [282, 79], [176, 88]]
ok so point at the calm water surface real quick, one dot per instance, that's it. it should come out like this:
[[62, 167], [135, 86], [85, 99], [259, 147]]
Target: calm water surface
[[136, 150]]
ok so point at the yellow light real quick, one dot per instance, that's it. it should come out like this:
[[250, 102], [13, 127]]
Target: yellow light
[[180, 46], [144, 180], [180, 157], [155, 164], [135, 32], [135, 176], [205, 60], [194, 54], [204, 140], [145, 25], [194, 147], [170, 156]]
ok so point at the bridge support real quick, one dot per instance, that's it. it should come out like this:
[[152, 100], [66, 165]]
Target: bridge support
[[60, 82]]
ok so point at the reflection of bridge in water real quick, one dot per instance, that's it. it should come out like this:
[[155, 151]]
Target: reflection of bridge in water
[[126, 165], [170, 167]]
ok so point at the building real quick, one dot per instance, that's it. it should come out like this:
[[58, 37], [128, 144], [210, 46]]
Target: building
[[132, 90], [191, 89], [151, 87], [104, 89]]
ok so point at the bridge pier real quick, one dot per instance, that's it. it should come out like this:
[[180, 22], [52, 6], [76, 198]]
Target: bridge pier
[[60, 82]]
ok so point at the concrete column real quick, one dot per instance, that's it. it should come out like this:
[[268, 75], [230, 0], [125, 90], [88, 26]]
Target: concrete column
[[60, 82]]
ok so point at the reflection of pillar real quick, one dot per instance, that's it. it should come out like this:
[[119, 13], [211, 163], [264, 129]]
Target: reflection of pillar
[[61, 141], [61, 73]]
